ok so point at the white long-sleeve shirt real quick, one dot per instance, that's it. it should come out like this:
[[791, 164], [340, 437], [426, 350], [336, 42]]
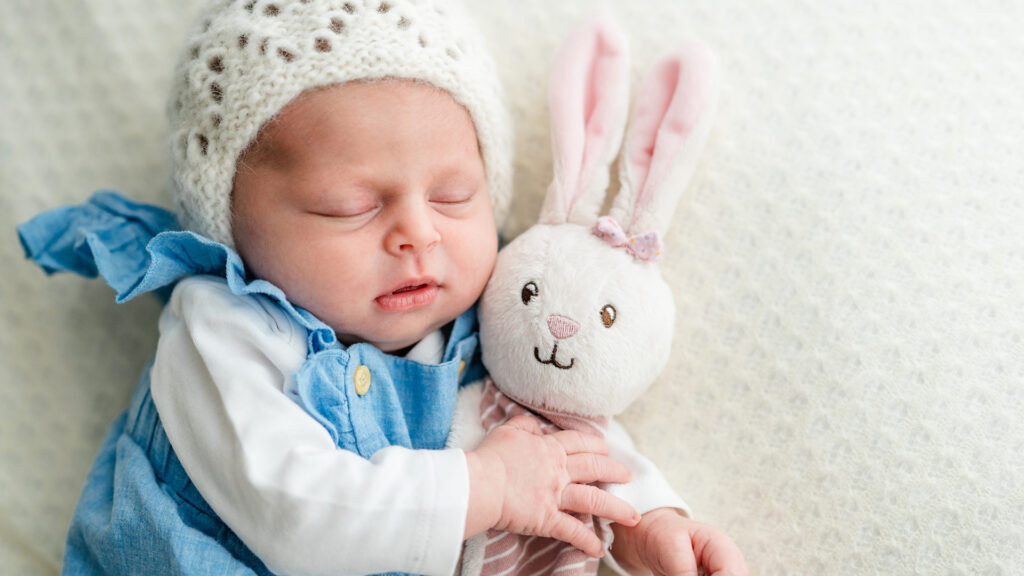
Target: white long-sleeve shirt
[[274, 475]]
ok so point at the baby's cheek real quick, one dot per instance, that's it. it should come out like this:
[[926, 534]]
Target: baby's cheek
[[479, 244], [485, 266]]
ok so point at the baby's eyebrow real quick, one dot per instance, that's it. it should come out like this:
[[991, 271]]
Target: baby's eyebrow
[[280, 138], [267, 148], [457, 171], [450, 177]]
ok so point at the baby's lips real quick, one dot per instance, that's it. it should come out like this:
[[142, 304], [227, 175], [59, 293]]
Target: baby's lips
[[410, 284], [408, 298]]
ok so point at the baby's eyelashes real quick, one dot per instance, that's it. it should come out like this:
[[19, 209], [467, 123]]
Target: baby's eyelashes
[[356, 207], [347, 215], [453, 199], [452, 195]]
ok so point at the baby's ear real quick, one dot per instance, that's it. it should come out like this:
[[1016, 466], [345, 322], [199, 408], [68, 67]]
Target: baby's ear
[[674, 111], [589, 99]]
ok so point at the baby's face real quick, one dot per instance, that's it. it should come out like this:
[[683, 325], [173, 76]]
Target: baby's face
[[367, 203]]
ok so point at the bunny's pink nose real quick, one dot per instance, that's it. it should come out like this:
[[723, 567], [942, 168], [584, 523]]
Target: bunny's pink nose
[[562, 327]]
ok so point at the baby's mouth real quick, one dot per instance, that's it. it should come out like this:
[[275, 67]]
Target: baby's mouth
[[414, 295]]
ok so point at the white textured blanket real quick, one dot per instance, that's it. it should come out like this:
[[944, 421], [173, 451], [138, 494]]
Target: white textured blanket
[[845, 394]]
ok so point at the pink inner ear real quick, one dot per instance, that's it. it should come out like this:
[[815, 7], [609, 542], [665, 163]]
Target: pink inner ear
[[586, 93], [671, 100]]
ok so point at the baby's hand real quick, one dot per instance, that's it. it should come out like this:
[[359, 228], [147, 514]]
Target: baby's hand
[[525, 482], [670, 544]]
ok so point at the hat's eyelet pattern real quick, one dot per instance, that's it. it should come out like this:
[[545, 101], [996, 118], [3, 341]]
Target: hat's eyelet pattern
[[216, 92]]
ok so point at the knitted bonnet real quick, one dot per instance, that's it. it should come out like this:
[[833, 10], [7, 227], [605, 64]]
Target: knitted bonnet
[[247, 59]]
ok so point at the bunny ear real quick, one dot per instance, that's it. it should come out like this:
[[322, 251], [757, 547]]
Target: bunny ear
[[670, 125], [589, 99]]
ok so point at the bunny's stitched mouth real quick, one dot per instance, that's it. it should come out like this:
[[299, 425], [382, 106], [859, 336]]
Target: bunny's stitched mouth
[[553, 360]]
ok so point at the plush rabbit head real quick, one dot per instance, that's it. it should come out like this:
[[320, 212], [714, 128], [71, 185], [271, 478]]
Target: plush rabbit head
[[577, 318]]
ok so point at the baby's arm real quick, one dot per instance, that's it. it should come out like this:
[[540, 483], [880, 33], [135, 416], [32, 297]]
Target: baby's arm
[[271, 472]]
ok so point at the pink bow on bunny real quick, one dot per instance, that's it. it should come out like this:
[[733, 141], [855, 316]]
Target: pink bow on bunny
[[646, 246]]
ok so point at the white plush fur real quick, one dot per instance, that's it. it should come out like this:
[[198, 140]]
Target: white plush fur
[[576, 274], [466, 433]]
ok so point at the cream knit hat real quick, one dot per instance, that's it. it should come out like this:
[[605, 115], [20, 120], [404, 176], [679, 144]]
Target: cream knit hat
[[247, 59]]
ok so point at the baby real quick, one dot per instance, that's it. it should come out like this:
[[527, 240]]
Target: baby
[[355, 156]]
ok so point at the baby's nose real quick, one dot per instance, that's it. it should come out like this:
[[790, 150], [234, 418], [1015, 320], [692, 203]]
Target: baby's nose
[[562, 327]]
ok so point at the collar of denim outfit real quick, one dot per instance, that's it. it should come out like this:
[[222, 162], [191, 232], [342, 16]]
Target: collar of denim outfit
[[139, 248]]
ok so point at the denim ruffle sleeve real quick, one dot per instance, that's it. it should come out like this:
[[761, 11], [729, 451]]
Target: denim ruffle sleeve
[[138, 248], [106, 236]]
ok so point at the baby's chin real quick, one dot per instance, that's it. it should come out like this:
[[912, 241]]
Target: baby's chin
[[393, 339], [396, 332]]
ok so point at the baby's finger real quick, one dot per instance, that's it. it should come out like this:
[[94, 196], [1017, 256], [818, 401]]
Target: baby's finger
[[571, 530], [717, 553], [592, 500], [575, 442], [587, 468], [677, 560], [524, 422]]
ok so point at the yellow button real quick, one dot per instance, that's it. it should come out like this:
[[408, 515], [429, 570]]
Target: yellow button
[[462, 368], [362, 380]]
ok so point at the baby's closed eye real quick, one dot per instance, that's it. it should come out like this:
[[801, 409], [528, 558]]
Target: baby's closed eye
[[454, 189], [353, 206], [452, 195]]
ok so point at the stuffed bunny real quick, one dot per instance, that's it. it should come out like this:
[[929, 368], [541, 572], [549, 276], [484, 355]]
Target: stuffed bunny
[[576, 321]]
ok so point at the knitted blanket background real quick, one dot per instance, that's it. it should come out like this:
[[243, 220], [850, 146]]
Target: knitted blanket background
[[844, 395]]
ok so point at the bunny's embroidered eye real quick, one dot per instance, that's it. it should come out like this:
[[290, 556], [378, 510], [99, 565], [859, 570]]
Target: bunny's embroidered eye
[[529, 292], [608, 315]]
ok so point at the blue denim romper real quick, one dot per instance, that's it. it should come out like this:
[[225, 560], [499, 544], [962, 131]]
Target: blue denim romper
[[139, 513]]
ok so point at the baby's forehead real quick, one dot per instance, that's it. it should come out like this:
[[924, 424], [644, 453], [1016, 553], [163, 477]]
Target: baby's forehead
[[344, 110]]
